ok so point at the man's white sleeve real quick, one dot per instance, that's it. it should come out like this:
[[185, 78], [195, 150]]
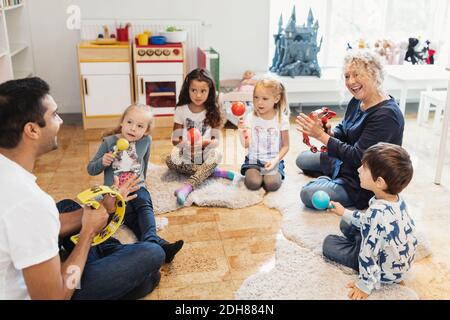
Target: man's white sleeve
[[32, 230]]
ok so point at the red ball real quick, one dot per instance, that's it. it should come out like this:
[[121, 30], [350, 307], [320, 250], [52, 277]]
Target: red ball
[[194, 135], [238, 108]]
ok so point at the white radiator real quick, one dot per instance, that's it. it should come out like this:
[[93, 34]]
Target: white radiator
[[91, 28]]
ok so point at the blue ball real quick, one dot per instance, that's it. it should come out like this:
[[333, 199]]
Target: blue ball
[[320, 200]]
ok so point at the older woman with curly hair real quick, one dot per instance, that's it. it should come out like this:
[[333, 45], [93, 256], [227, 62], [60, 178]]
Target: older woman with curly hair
[[372, 116]]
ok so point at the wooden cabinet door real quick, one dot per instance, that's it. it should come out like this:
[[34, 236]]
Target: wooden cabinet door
[[106, 95]]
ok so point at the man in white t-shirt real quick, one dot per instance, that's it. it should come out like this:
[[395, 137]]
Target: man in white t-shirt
[[31, 226]]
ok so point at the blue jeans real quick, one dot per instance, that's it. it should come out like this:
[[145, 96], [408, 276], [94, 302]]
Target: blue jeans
[[334, 187], [116, 271], [344, 250], [309, 161], [140, 218]]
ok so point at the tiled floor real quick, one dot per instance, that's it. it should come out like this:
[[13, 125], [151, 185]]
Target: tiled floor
[[222, 247]]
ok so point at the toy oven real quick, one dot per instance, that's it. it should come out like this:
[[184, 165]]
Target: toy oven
[[159, 76]]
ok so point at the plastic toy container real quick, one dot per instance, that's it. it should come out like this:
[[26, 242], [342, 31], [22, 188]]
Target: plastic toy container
[[158, 40], [175, 36]]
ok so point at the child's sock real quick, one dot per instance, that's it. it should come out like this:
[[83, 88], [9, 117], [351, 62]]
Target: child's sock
[[222, 173], [171, 249], [182, 193]]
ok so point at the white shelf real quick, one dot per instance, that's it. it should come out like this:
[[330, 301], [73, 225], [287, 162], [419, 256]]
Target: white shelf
[[20, 74], [12, 7], [16, 57], [17, 48]]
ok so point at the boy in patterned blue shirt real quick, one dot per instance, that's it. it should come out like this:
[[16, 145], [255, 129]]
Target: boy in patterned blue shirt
[[380, 243]]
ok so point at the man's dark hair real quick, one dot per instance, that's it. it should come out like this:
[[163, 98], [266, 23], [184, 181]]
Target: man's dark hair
[[20, 103], [390, 162]]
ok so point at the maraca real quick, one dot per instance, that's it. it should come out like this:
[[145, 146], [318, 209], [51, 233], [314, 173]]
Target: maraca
[[238, 108], [194, 135], [321, 200], [121, 145]]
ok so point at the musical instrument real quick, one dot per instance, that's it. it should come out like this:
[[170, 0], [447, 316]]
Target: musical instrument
[[89, 197]]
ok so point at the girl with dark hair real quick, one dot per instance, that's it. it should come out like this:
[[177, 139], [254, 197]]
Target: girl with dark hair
[[196, 133]]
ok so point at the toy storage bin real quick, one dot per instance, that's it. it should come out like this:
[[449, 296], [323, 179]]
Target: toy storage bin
[[175, 36]]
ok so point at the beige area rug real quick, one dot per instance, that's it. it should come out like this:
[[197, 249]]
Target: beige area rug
[[214, 192], [299, 270]]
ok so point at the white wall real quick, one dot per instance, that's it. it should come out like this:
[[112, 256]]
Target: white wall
[[237, 29]]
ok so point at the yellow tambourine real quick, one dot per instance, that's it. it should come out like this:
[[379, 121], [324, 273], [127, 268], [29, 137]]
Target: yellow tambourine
[[88, 196]]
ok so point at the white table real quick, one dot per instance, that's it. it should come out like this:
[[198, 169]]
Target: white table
[[330, 80], [329, 89], [416, 77], [444, 135]]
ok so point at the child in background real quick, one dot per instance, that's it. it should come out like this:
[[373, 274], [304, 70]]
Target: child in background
[[268, 139], [135, 126], [381, 242], [198, 111]]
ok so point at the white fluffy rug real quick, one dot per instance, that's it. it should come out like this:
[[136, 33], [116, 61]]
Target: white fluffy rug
[[308, 227], [214, 192], [300, 274], [300, 271]]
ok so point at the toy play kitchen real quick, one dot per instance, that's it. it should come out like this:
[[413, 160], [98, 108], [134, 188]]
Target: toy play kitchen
[[106, 81], [159, 72]]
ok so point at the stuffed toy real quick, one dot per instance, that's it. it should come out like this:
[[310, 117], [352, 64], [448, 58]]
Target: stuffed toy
[[411, 54], [429, 53], [248, 82]]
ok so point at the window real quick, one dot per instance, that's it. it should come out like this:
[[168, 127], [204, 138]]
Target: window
[[417, 19], [422, 19], [347, 21], [352, 20]]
